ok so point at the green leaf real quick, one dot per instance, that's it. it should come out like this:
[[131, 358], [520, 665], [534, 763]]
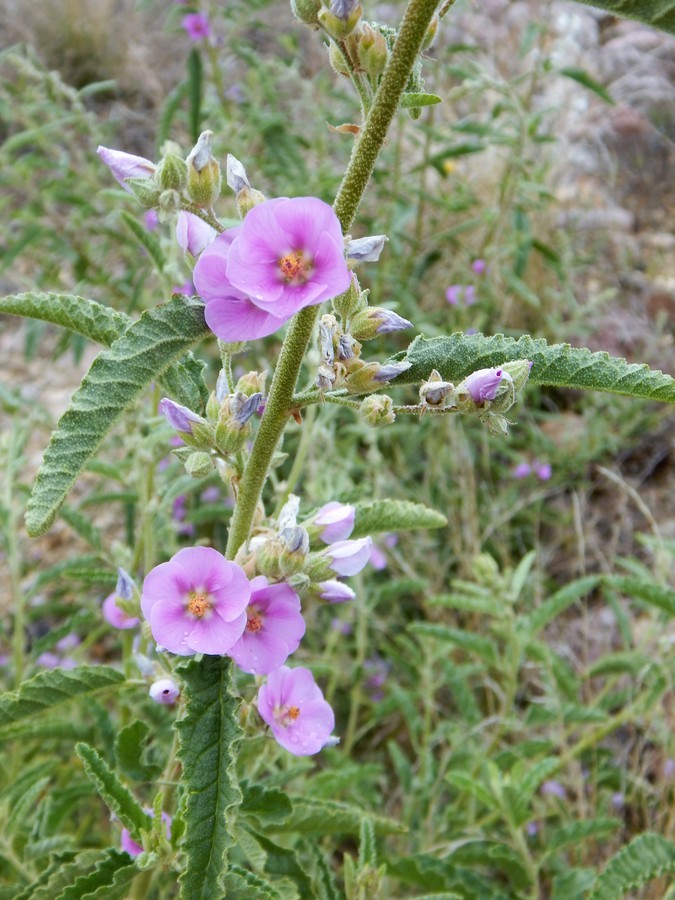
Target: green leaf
[[316, 817], [252, 885], [266, 804], [394, 515], [657, 13], [194, 87], [577, 832], [526, 784], [129, 749], [51, 688], [582, 77], [533, 623], [111, 877], [480, 646], [657, 595], [208, 734], [457, 355], [325, 887], [86, 317], [284, 863], [114, 794], [647, 856], [471, 786], [414, 101], [367, 847], [115, 380]]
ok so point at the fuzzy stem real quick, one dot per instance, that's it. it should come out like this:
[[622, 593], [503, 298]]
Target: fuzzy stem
[[366, 150]]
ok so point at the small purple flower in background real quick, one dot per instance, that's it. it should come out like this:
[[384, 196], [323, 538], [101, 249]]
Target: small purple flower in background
[[178, 513], [543, 471], [482, 385], [377, 673], [479, 266], [469, 295], [287, 254], [196, 602], [187, 288], [349, 557], [292, 704], [197, 26], [454, 294], [335, 591], [130, 846], [553, 789], [115, 616], [212, 495], [669, 768], [343, 627], [274, 628], [618, 800], [378, 558], [69, 642], [193, 234], [164, 691], [48, 660], [532, 828], [151, 219], [126, 165], [337, 519], [521, 470]]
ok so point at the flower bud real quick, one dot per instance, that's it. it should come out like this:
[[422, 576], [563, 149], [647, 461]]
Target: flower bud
[[194, 430], [333, 522], [374, 320], [333, 591], [125, 585], [252, 383], [496, 424], [365, 377], [164, 691], [434, 391], [351, 301], [172, 172], [124, 166], [337, 60], [519, 370], [145, 191], [341, 558], [366, 249], [199, 464], [377, 410], [305, 11], [193, 234], [372, 51], [169, 204], [295, 547], [480, 386], [340, 19], [203, 172]]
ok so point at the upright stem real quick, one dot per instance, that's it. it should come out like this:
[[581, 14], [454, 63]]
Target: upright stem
[[367, 147]]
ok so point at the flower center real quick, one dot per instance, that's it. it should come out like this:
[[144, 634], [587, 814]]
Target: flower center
[[254, 621], [198, 604], [286, 715], [295, 267]]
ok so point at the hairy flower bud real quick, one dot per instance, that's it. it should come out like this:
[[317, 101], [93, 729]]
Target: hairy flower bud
[[365, 377], [193, 429], [435, 391], [366, 249], [377, 410], [351, 301], [375, 320], [199, 464], [341, 19], [519, 370], [252, 383], [172, 172], [306, 11], [372, 51], [203, 172], [144, 190]]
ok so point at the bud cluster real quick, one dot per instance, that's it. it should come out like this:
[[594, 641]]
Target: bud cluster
[[226, 427]]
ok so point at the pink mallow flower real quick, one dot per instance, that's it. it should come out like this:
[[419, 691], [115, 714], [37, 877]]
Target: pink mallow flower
[[337, 520], [116, 616], [197, 26], [164, 691], [126, 165], [193, 234], [274, 627], [292, 704], [287, 254], [349, 557], [130, 846], [482, 385], [196, 602]]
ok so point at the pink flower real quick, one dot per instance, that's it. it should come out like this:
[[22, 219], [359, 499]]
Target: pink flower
[[522, 470], [274, 627], [164, 691], [337, 519], [179, 417], [126, 165], [378, 558], [482, 385], [197, 26], [286, 255], [193, 234], [151, 219], [349, 557], [292, 704], [479, 266], [454, 294], [135, 849], [543, 471], [115, 616], [196, 602]]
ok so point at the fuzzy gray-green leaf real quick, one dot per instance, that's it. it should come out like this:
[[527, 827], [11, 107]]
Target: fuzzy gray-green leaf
[[53, 687], [114, 794], [657, 13], [208, 735], [394, 515], [561, 365], [86, 317], [115, 380], [648, 856]]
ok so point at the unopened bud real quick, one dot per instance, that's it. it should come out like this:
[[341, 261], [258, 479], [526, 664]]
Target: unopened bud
[[295, 541], [199, 464], [172, 173], [341, 19], [252, 383], [372, 51], [351, 301], [377, 410], [496, 424], [366, 249], [365, 377], [374, 320], [203, 172], [247, 199], [519, 370], [337, 61], [145, 191], [236, 176], [233, 426], [169, 204], [306, 11]]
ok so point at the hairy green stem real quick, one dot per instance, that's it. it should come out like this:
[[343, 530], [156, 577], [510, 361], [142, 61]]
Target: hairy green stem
[[366, 150]]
